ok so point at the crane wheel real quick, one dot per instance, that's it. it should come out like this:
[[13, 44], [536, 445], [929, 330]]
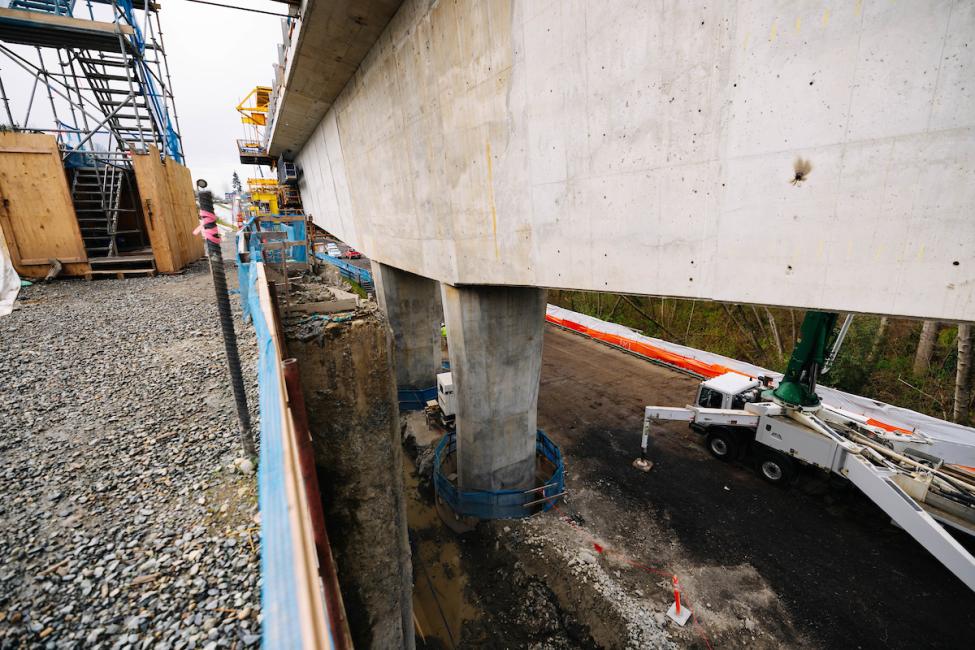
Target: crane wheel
[[722, 445], [775, 468]]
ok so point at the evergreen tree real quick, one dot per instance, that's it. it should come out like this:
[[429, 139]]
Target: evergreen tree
[[235, 183]]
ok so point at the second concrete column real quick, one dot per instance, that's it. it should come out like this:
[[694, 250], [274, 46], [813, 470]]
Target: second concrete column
[[412, 306], [495, 340]]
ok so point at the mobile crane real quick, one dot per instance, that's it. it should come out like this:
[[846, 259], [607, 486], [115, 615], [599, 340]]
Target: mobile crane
[[788, 426]]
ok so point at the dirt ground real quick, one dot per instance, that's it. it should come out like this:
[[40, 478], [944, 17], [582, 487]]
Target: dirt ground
[[474, 590], [813, 565]]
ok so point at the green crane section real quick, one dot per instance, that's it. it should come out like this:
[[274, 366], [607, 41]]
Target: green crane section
[[798, 386]]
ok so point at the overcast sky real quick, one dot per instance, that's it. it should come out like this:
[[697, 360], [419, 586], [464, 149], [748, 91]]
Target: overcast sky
[[216, 56]]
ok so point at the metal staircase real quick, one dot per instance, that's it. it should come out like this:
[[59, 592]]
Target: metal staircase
[[116, 81], [367, 284], [97, 194], [103, 67], [122, 96]]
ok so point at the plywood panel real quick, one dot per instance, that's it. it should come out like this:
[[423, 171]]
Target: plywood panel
[[36, 213], [186, 214], [166, 192]]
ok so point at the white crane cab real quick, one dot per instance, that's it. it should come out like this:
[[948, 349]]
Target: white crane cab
[[719, 413]]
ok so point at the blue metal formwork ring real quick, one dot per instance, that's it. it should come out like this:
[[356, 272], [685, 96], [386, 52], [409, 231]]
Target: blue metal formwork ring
[[501, 504], [415, 399]]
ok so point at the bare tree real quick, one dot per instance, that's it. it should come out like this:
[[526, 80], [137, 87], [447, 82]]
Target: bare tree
[[925, 347], [963, 374], [878, 339], [747, 331], [632, 303], [775, 332], [687, 331]]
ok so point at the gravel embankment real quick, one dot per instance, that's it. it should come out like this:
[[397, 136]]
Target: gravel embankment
[[122, 521]]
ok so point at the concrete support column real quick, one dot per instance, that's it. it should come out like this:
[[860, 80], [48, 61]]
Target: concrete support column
[[495, 339], [412, 306]]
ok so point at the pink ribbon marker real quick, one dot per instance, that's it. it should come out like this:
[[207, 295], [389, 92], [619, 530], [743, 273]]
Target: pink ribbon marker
[[210, 233]]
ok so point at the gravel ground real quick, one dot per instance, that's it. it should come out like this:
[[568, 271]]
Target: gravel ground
[[122, 521]]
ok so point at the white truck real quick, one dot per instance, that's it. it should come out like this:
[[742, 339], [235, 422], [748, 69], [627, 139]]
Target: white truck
[[917, 490]]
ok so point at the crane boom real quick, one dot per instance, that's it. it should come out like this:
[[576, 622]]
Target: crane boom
[[798, 386]]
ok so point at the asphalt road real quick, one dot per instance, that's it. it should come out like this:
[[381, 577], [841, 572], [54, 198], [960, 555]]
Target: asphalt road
[[847, 577]]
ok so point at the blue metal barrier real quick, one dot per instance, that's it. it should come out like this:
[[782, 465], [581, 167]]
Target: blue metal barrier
[[415, 399], [362, 277], [501, 504]]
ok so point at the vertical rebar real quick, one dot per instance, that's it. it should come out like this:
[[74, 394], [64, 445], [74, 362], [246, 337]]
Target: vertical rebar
[[211, 235]]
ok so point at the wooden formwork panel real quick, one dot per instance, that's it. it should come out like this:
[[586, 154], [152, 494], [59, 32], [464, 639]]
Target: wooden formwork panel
[[37, 215], [169, 208]]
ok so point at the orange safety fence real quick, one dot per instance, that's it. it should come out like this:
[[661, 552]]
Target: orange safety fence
[[673, 359], [695, 366], [889, 427]]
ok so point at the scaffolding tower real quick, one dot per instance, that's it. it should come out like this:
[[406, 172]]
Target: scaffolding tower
[[101, 86]]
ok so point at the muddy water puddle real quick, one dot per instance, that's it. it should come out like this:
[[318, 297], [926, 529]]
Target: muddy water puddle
[[440, 604]]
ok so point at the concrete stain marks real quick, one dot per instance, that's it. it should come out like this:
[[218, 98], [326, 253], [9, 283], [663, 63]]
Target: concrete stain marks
[[494, 211], [824, 19], [801, 168]]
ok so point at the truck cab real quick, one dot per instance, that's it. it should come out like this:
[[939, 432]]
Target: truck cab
[[728, 391], [718, 413]]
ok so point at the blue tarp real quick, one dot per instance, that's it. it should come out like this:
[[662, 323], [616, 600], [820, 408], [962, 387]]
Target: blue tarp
[[281, 626], [415, 399]]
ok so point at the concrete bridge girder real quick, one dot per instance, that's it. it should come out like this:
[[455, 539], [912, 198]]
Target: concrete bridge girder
[[651, 149]]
